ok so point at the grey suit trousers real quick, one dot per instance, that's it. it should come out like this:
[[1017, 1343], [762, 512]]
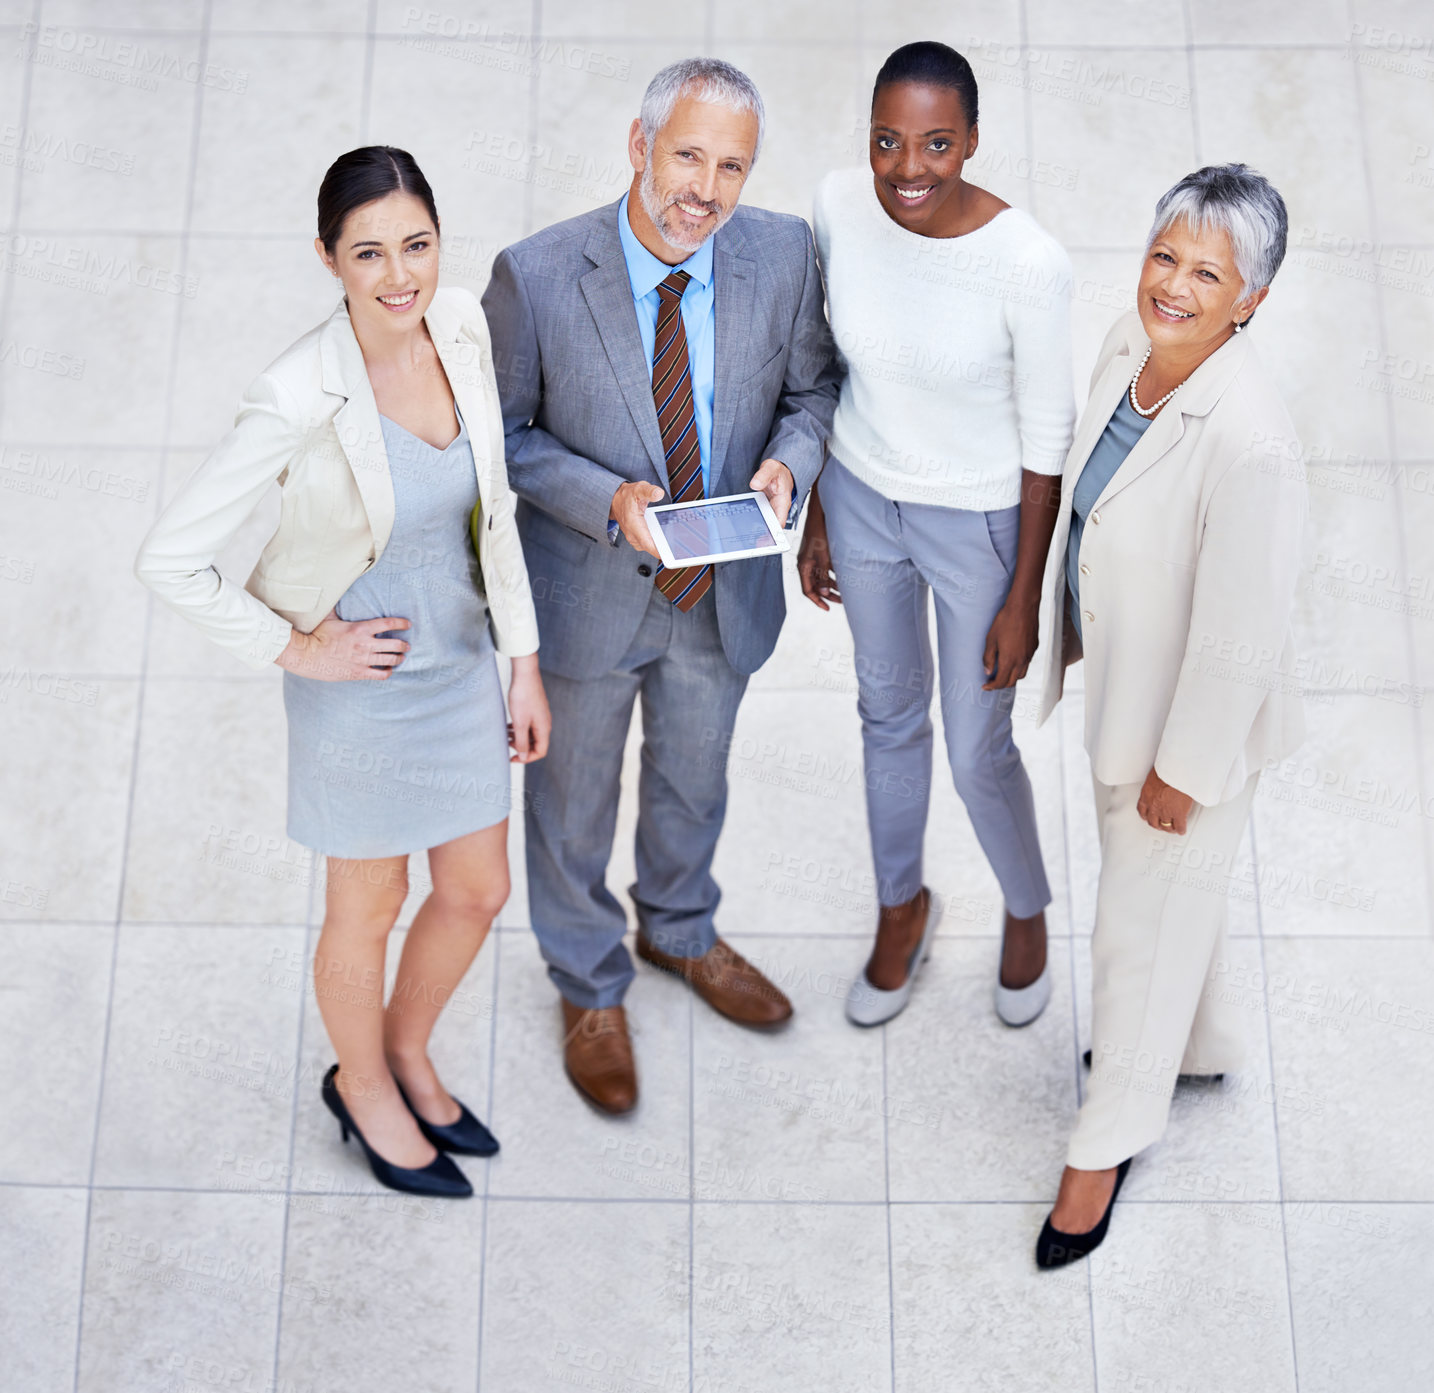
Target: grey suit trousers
[[690, 694]]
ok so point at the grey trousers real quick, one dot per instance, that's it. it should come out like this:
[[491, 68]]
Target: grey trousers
[[888, 557], [690, 694]]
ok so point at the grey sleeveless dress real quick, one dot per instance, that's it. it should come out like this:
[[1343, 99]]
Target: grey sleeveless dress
[[383, 768]]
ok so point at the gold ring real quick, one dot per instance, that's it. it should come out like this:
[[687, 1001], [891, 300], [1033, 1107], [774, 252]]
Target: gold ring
[[1167, 824]]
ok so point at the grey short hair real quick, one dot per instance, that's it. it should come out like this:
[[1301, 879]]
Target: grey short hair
[[1240, 202], [707, 79]]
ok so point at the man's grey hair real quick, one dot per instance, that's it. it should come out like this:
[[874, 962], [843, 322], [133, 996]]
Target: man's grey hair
[[707, 79], [1241, 203]]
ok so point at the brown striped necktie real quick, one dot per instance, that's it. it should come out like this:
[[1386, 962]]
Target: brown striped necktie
[[672, 394]]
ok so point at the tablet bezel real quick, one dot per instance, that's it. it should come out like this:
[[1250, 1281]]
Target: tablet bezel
[[778, 533]]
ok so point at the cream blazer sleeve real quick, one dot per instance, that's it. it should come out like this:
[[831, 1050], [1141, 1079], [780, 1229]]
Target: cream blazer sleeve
[[511, 613], [1246, 573], [176, 560]]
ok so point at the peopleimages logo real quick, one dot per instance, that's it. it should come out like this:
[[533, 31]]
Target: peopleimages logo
[[87, 268], [122, 60]]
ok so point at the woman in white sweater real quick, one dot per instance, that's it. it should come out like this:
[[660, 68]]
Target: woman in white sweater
[[951, 313]]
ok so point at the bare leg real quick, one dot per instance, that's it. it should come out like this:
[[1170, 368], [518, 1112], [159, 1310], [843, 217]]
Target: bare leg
[[1083, 1198], [470, 886], [361, 904], [898, 930], [1023, 951]]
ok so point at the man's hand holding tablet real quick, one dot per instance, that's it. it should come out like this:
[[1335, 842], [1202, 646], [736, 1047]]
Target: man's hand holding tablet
[[775, 480], [629, 511], [772, 483], [715, 529]]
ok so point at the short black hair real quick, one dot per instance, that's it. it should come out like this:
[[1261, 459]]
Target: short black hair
[[364, 176], [931, 64]]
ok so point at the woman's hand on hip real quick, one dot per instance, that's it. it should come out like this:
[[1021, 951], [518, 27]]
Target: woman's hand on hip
[[1165, 808], [340, 651], [814, 559], [530, 723], [1011, 641]]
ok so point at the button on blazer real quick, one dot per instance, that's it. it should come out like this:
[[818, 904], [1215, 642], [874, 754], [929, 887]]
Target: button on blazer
[[1189, 562], [310, 422]]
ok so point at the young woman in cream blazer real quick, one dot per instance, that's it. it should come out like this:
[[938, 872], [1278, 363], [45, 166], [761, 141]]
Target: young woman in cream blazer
[[395, 575], [1175, 562]]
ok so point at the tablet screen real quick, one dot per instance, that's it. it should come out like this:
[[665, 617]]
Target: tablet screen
[[733, 524]]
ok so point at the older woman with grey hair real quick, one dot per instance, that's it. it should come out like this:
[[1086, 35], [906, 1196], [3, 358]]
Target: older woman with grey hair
[[1175, 564]]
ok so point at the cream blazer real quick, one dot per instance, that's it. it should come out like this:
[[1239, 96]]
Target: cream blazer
[[309, 421], [1188, 567]]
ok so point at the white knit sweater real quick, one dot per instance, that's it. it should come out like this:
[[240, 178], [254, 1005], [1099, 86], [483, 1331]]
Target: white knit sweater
[[957, 350]]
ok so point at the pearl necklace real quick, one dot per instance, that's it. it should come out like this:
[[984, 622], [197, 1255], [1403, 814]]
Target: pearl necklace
[[1134, 380]]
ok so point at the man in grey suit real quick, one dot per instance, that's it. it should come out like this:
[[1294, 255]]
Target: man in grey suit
[[670, 346]]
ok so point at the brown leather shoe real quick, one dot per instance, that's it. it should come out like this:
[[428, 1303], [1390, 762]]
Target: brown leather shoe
[[726, 981], [597, 1054]]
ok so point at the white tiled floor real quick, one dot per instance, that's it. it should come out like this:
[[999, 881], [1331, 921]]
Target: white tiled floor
[[823, 1209]]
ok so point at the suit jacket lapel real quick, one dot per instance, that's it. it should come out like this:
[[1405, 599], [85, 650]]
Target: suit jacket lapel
[[1196, 396], [608, 292], [1160, 435], [462, 365], [356, 423], [735, 291]]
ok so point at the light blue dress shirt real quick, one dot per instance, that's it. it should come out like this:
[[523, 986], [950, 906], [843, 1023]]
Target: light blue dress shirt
[[699, 321]]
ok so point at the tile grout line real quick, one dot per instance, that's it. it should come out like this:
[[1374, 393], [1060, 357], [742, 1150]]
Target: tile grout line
[[691, 1192], [1392, 428], [365, 100], [293, 1136], [1189, 26], [171, 375], [13, 223], [634, 40], [6, 299], [366, 93], [886, 1207], [497, 939], [529, 189], [949, 1202], [1274, 1103]]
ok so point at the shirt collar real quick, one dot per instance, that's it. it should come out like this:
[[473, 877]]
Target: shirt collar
[[645, 271]]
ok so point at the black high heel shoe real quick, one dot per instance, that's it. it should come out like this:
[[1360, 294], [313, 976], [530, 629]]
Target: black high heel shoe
[[440, 1178], [466, 1137], [1055, 1249], [1213, 1078]]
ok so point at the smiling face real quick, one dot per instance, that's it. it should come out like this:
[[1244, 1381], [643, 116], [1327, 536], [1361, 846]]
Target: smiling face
[[387, 258], [919, 142], [689, 182], [1190, 295]]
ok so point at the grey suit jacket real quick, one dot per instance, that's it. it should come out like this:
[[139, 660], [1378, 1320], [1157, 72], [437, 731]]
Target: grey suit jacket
[[579, 419]]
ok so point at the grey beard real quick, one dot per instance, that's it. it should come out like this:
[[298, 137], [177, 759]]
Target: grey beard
[[647, 189]]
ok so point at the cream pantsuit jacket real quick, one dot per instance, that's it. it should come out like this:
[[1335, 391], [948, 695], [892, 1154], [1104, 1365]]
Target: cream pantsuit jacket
[[309, 421], [1188, 566]]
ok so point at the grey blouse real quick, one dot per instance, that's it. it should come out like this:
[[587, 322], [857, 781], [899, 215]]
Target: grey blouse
[[1126, 426]]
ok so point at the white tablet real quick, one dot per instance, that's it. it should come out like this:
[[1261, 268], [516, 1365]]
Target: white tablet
[[716, 529]]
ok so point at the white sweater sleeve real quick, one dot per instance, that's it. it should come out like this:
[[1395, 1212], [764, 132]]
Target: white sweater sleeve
[[1038, 314]]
